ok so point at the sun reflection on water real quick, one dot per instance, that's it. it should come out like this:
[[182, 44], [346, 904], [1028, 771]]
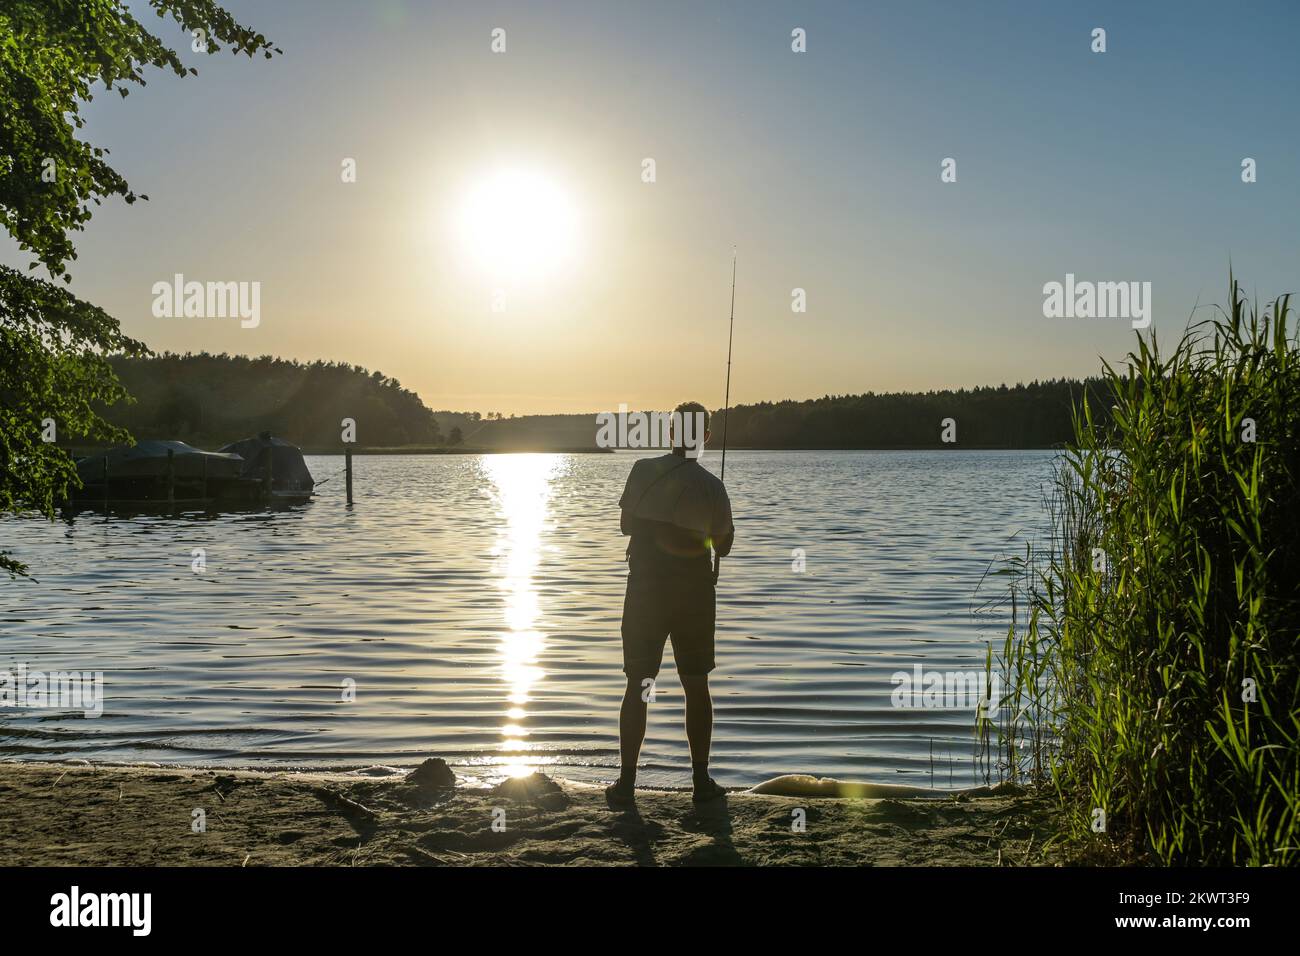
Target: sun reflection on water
[[523, 488]]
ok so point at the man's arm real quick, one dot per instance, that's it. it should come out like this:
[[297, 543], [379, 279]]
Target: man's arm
[[722, 519], [625, 520]]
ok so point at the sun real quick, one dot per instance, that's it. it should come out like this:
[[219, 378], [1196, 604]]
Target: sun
[[517, 223]]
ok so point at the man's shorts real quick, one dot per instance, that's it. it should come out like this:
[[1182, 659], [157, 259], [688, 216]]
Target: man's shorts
[[658, 608]]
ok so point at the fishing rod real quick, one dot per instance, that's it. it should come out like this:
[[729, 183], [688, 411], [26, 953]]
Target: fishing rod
[[726, 401]]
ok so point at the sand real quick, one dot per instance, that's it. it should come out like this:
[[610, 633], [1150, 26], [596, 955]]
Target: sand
[[80, 814]]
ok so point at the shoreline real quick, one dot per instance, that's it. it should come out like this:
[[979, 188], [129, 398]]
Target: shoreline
[[82, 814], [334, 451], [583, 450]]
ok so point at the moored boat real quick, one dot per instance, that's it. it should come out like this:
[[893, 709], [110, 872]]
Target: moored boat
[[154, 473], [158, 472], [276, 464]]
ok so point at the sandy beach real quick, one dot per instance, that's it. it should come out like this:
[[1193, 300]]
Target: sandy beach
[[57, 814]]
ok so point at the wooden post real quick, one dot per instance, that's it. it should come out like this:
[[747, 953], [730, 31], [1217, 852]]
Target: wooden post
[[171, 477], [347, 455]]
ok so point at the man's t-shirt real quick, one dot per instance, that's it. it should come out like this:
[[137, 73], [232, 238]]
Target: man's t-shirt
[[676, 511]]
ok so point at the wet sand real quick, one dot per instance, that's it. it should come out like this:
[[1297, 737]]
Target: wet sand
[[88, 815]]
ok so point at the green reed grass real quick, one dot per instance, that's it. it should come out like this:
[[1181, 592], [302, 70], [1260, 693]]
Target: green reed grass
[[1152, 663]]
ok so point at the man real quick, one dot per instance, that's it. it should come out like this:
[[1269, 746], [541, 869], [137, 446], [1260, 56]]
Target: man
[[676, 512]]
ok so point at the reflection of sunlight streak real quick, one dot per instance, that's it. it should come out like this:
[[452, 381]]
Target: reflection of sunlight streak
[[523, 486]]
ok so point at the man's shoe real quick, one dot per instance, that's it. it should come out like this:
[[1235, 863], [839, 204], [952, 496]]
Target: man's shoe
[[708, 792], [620, 795]]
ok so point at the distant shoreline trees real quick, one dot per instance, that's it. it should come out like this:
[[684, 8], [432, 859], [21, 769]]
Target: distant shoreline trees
[[208, 400], [1034, 415]]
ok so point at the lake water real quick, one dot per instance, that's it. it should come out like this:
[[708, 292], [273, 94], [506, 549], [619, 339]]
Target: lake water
[[475, 603]]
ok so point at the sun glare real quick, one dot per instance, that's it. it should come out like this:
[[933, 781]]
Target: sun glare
[[522, 486], [518, 224]]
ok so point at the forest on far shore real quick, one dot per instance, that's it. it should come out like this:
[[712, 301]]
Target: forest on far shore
[[1036, 415], [209, 400]]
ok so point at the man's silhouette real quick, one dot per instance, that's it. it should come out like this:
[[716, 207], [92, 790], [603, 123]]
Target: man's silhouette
[[676, 513]]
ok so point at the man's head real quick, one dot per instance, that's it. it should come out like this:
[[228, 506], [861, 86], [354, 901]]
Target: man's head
[[688, 429]]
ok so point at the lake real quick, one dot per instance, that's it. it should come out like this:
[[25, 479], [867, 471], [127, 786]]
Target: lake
[[472, 603]]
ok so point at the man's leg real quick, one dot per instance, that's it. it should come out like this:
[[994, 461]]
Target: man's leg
[[631, 732], [644, 632], [693, 622], [699, 735], [699, 719]]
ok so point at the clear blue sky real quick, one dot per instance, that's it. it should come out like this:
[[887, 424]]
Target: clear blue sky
[[823, 168]]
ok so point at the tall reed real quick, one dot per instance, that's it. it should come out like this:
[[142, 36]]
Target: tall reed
[[1153, 656]]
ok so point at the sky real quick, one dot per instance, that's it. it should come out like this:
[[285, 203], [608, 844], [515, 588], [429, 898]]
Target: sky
[[587, 287]]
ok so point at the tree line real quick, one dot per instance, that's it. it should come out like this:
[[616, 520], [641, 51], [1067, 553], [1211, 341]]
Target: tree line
[[1034, 415], [208, 400]]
